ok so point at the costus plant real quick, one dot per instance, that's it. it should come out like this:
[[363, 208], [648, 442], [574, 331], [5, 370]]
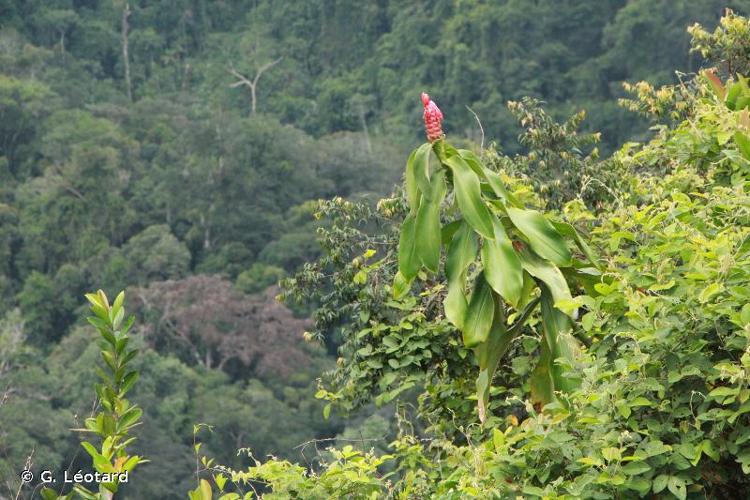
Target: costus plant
[[502, 260]]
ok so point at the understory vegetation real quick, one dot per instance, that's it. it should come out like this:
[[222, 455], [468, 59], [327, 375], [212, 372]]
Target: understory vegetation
[[536, 302]]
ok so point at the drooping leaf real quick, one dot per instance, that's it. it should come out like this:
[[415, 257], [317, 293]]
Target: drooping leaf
[[448, 230], [568, 230], [410, 182], [526, 290], [548, 273], [489, 354], [469, 197], [493, 178], [502, 267], [556, 327], [461, 252], [428, 230], [542, 236], [541, 386], [479, 314], [408, 260], [422, 170]]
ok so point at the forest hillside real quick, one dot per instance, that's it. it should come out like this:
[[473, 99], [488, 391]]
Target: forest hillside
[[238, 169]]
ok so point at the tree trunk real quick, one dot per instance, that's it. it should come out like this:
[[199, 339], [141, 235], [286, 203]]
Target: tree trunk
[[125, 56]]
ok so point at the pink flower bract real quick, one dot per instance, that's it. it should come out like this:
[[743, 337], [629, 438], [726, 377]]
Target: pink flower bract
[[433, 119]]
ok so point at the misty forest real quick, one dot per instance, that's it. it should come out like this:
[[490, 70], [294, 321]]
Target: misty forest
[[374, 249]]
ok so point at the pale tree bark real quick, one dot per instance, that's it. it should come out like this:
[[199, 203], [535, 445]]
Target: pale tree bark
[[242, 80], [363, 120], [125, 55]]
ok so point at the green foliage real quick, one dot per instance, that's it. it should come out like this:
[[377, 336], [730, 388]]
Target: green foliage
[[173, 176], [518, 244]]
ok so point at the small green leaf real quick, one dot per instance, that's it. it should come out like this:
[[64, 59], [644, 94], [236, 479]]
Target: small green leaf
[[635, 468], [400, 285], [128, 382], [743, 143]]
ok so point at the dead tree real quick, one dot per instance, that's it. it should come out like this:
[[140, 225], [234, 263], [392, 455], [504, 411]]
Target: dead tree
[[125, 55], [242, 80]]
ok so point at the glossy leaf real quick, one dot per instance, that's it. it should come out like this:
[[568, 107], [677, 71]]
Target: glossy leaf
[[428, 230], [469, 197], [489, 354], [502, 267], [422, 170], [408, 260], [461, 253], [548, 273], [542, 236], [410, 183], [569, 231], [493, 178], [479, 314], [557, 327]]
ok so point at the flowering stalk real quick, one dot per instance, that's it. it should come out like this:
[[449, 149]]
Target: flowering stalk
[[517, 249], [433, 119]]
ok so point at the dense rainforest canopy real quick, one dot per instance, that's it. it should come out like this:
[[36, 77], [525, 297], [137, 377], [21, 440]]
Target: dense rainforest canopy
[[176, 149]]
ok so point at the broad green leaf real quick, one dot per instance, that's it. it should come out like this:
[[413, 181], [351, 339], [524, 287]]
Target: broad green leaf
[[469, 197], [479, 314], [568, 230], [461, 252], [528, 287], [502, 267], [428, 230], [493, 178], [677, 486], [410, 183], [548, 273], [660, 482], [408, 260], [448, 230], [542, 236], [556, 343], [422, 170], [541, 387], [489, 354]]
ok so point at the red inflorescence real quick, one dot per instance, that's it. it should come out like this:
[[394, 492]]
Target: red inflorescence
[[433, 119]]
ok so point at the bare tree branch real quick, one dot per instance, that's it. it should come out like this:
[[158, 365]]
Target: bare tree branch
[[242, 80]]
